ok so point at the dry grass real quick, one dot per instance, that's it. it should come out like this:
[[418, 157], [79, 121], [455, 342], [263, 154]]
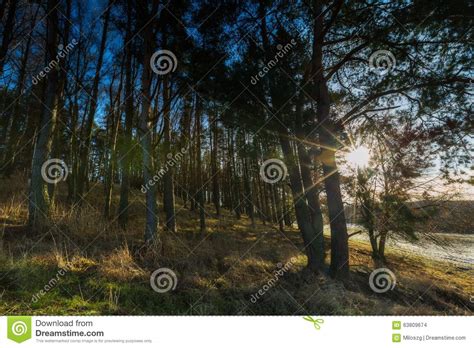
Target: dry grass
[[108, 270], [119, 265]]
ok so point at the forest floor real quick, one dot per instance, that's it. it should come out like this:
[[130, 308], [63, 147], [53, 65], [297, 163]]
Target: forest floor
[[104, 270]]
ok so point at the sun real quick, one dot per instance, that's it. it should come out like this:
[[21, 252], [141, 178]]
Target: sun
[[359, 157]]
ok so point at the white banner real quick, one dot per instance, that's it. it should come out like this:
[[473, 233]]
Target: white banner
[[220, 331]]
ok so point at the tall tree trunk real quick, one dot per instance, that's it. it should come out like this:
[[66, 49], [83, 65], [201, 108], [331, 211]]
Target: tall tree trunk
[[216, 197], [13, 127], [72, 186], [381, 250], [278, 207], [145, 132], [248, 195], [286, 209], [39, 202], [186, 143], [3, 5], [312, 197], [87, 134], [109, 177], [303, 217], [168, 184], [235, 177], [268, 202], [363, 195], [302, 212], [111, 158], [311, 190], [7, 32], [5, 158], [199, 192], [62, 83], [125, 156], [339, 238]]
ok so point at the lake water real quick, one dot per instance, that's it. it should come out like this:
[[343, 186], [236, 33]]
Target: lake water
[[455, 248]]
